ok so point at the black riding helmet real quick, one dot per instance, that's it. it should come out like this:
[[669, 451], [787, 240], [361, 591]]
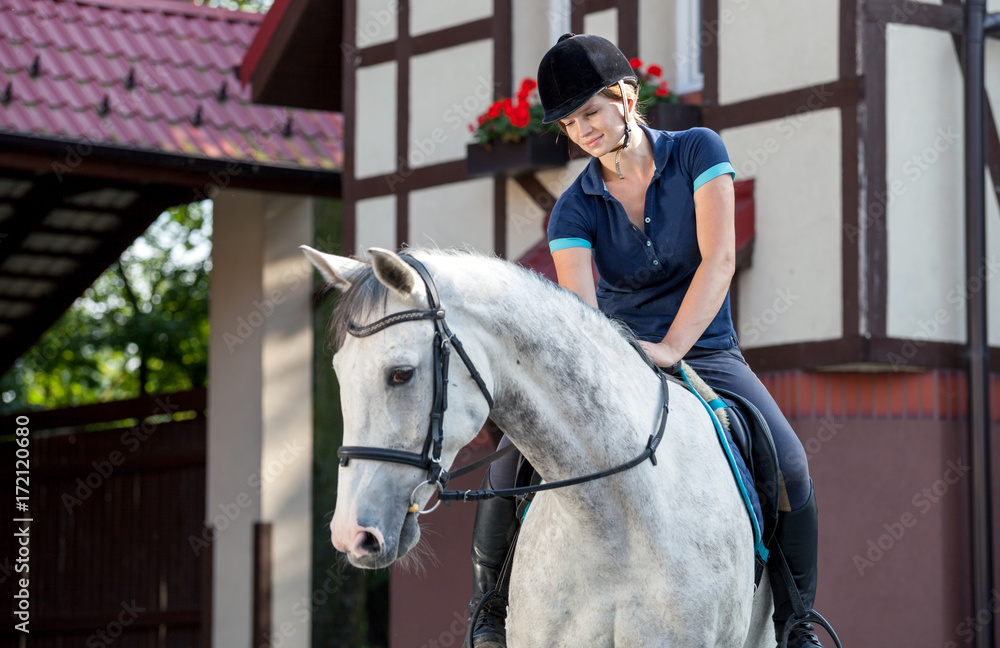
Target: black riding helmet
[[575, 69]]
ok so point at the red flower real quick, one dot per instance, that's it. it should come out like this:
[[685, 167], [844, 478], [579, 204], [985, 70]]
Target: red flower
[[662, 91], [520, 116], [655, 70], [507, 106], [482, 119], [494, 111], [636, 63], [527, 85]]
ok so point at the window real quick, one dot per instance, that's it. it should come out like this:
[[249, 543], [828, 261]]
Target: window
[[689, 42]]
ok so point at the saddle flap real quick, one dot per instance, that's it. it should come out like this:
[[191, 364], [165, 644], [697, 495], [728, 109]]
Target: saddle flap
[[760, 455]]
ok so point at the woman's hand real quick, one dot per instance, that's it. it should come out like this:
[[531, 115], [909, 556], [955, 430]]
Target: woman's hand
[[662, 353]]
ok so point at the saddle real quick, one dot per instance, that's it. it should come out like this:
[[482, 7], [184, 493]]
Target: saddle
[[752, 437]]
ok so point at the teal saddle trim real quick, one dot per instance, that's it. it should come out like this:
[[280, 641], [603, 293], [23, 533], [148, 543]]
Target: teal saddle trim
[[759, 549]]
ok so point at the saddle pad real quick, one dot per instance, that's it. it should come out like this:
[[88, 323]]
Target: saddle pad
[[740, 473]]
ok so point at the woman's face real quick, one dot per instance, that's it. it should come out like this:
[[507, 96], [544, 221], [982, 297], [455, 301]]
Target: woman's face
[[598, 126]]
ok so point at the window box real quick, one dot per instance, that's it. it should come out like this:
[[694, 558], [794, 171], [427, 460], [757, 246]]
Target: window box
[[536, 152], [673, 116]]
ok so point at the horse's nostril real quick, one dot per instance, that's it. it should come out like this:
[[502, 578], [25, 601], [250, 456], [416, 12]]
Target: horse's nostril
[[370, 543]]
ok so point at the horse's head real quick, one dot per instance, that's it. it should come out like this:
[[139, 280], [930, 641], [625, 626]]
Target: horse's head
[[387, 392]]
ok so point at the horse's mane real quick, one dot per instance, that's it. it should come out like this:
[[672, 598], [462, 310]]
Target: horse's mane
[[368, 296]]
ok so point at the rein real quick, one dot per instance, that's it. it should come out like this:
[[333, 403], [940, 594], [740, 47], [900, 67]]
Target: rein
[[429, 458]]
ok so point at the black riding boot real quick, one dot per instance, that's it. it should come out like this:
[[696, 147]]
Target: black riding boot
[[492, 534], [797, 535]]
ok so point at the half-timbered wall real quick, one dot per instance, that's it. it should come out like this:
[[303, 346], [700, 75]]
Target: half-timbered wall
[[924, 202]]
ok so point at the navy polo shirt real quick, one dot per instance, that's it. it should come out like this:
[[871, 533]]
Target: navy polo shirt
[[644, 274]]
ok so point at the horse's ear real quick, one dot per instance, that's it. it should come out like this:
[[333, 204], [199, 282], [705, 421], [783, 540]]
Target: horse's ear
[[399, 276], [335, 269]]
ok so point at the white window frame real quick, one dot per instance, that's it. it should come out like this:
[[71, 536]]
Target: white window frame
[[689, 77]]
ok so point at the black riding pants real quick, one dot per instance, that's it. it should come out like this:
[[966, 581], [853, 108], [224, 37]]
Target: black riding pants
[[723, 369]]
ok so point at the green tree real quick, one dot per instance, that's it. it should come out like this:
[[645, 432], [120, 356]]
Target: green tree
[[142, 327]]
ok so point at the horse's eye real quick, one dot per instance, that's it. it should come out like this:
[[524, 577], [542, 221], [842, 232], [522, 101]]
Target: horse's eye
[[400, 376]]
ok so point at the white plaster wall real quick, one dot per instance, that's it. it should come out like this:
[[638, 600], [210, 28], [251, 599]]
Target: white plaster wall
[[924, 179], [658, 36], [558, 180], [792, 291], [432, 15], [524, 221], [531, 36], [771, 46], [602, 23], [375, 224], [232, 505], [375, 132], [457, 214], [377, 22], [449, 88], [286, 405], [260, 408], [524, 217], [992, 208]]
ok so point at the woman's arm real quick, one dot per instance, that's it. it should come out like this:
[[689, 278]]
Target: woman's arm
[[714, 207], [575, 270]]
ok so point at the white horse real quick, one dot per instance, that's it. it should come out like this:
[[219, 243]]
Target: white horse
[[659, 555]]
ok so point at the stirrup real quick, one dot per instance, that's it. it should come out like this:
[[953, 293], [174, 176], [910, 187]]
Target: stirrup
[[489, 594], [810, 616]]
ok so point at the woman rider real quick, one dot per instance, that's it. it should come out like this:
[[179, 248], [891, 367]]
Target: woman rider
[[655, 211]]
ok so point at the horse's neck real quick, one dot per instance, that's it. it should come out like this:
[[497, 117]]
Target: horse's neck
[[571, 393]]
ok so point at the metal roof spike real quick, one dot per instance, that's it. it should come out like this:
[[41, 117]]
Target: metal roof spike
[[196, 117], [105, 107], [8, 93], [223, 92], [130, 79], [36, 67], [287, 130]]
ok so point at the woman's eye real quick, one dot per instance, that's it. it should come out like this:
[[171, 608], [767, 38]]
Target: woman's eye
[[400, 376], [591, 114]]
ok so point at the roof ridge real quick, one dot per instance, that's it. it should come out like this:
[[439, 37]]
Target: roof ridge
[[170, 7]]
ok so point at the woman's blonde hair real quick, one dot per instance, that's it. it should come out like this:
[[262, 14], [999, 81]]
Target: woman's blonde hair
[[615, 93]]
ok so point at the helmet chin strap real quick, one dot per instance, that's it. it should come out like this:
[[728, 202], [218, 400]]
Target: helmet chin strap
[[628, 132]]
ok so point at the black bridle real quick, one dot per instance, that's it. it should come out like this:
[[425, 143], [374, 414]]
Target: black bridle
[[429, 458]]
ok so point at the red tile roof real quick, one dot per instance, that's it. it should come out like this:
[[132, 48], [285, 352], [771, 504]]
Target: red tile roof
[[154, 75]]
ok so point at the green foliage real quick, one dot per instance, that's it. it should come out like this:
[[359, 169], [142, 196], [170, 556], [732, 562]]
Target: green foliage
[[253, 6], [142, 327]]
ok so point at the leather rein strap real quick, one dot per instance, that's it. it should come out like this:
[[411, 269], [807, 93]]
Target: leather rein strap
[[649, 452], [429, 458]]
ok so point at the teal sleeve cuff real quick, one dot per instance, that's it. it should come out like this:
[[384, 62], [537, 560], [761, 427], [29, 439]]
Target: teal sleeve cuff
[[714, 172], [563, 243]]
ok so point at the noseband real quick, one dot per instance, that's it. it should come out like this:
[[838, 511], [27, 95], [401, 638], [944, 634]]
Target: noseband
[[429, 458]]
